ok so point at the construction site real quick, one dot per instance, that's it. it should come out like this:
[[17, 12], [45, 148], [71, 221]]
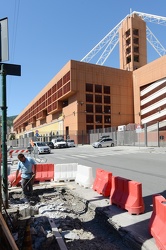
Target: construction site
[[65, 214]]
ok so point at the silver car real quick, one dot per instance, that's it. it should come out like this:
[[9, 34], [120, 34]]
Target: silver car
[[41, 148], [105, 142], [70, 143]]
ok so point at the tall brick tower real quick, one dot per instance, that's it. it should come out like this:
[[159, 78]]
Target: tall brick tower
[[132, 42]]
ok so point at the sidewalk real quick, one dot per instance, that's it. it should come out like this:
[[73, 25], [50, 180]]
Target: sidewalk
[[133, 228]]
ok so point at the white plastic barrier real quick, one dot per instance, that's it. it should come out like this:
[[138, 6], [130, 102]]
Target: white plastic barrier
[[65, 172], [84, 176]]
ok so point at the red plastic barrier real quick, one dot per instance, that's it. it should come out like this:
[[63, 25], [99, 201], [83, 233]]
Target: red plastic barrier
[[135, 203], [127, 194], [12, 177], [119, 191], [96, 183], [102, 183], [157, 224], [44, 172]]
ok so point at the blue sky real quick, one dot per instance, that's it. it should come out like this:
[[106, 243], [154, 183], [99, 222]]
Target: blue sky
[[45, 35]]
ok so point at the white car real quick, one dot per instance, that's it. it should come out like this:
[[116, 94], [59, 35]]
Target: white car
[[59, 143], [41, 148], [70, 143], [105, 142]]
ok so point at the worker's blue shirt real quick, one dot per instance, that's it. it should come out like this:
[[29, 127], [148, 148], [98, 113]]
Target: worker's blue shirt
[[26, 167]]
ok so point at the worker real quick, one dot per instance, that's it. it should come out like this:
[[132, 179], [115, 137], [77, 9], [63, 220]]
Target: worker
[[27, 167]]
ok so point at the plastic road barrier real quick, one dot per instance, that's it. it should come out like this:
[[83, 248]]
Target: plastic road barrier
[[44, 172], [84, 176], [157, 224], [102, 183], [127, 194], [65, 172], [12, 177]]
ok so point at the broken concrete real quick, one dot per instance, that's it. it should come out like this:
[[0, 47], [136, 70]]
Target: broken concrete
[[56, 217]]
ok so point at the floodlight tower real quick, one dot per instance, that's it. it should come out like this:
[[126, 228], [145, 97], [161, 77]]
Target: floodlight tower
[[132, 33]]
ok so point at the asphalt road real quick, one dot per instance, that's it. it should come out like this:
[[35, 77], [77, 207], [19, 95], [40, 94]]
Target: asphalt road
[[145, 165]]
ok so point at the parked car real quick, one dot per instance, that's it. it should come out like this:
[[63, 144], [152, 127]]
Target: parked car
[[70, 143], [104, 136], [59, 143], [41, 148], [105, 142], [50, 144]]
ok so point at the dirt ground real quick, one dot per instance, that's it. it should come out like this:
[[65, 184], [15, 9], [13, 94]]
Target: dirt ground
[[56, 218]]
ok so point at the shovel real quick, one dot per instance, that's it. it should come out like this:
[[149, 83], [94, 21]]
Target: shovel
[[29, 180]]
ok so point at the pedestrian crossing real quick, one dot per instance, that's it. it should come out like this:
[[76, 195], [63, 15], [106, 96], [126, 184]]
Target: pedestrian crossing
[[100, 154], [110, 153]]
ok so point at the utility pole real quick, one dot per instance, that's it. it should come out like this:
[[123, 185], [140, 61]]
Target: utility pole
[[5, 69], [4, 56], [4, 144]]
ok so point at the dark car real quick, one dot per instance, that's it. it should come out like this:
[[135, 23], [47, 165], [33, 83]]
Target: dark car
[[50, 144]]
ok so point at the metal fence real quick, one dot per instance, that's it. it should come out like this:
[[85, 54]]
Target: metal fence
[[149, 136]]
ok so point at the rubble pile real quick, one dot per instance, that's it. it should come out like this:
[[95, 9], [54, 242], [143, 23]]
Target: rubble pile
[[57, 213]]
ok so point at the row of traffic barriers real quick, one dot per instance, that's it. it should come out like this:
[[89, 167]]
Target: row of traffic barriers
[[124, 193], [127, 194], [82, 175], [157, 224]]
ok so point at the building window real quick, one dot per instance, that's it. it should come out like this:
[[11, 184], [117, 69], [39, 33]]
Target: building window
[[136, 49], [128, 33], [128, 59], [128, 42], [136, 58], [107, 99], [136, 32], [98, 89], [89, 98], [98, 126], [98, 119], [89, 127], [89, 87], [106, 89], [98, 98], [136, 40], [107, 119], [89, 108], [107, 109], [128, 50], [89, 118], [98, 108]]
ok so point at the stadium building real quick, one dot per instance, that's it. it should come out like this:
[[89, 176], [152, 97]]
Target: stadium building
[[83, 97]]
